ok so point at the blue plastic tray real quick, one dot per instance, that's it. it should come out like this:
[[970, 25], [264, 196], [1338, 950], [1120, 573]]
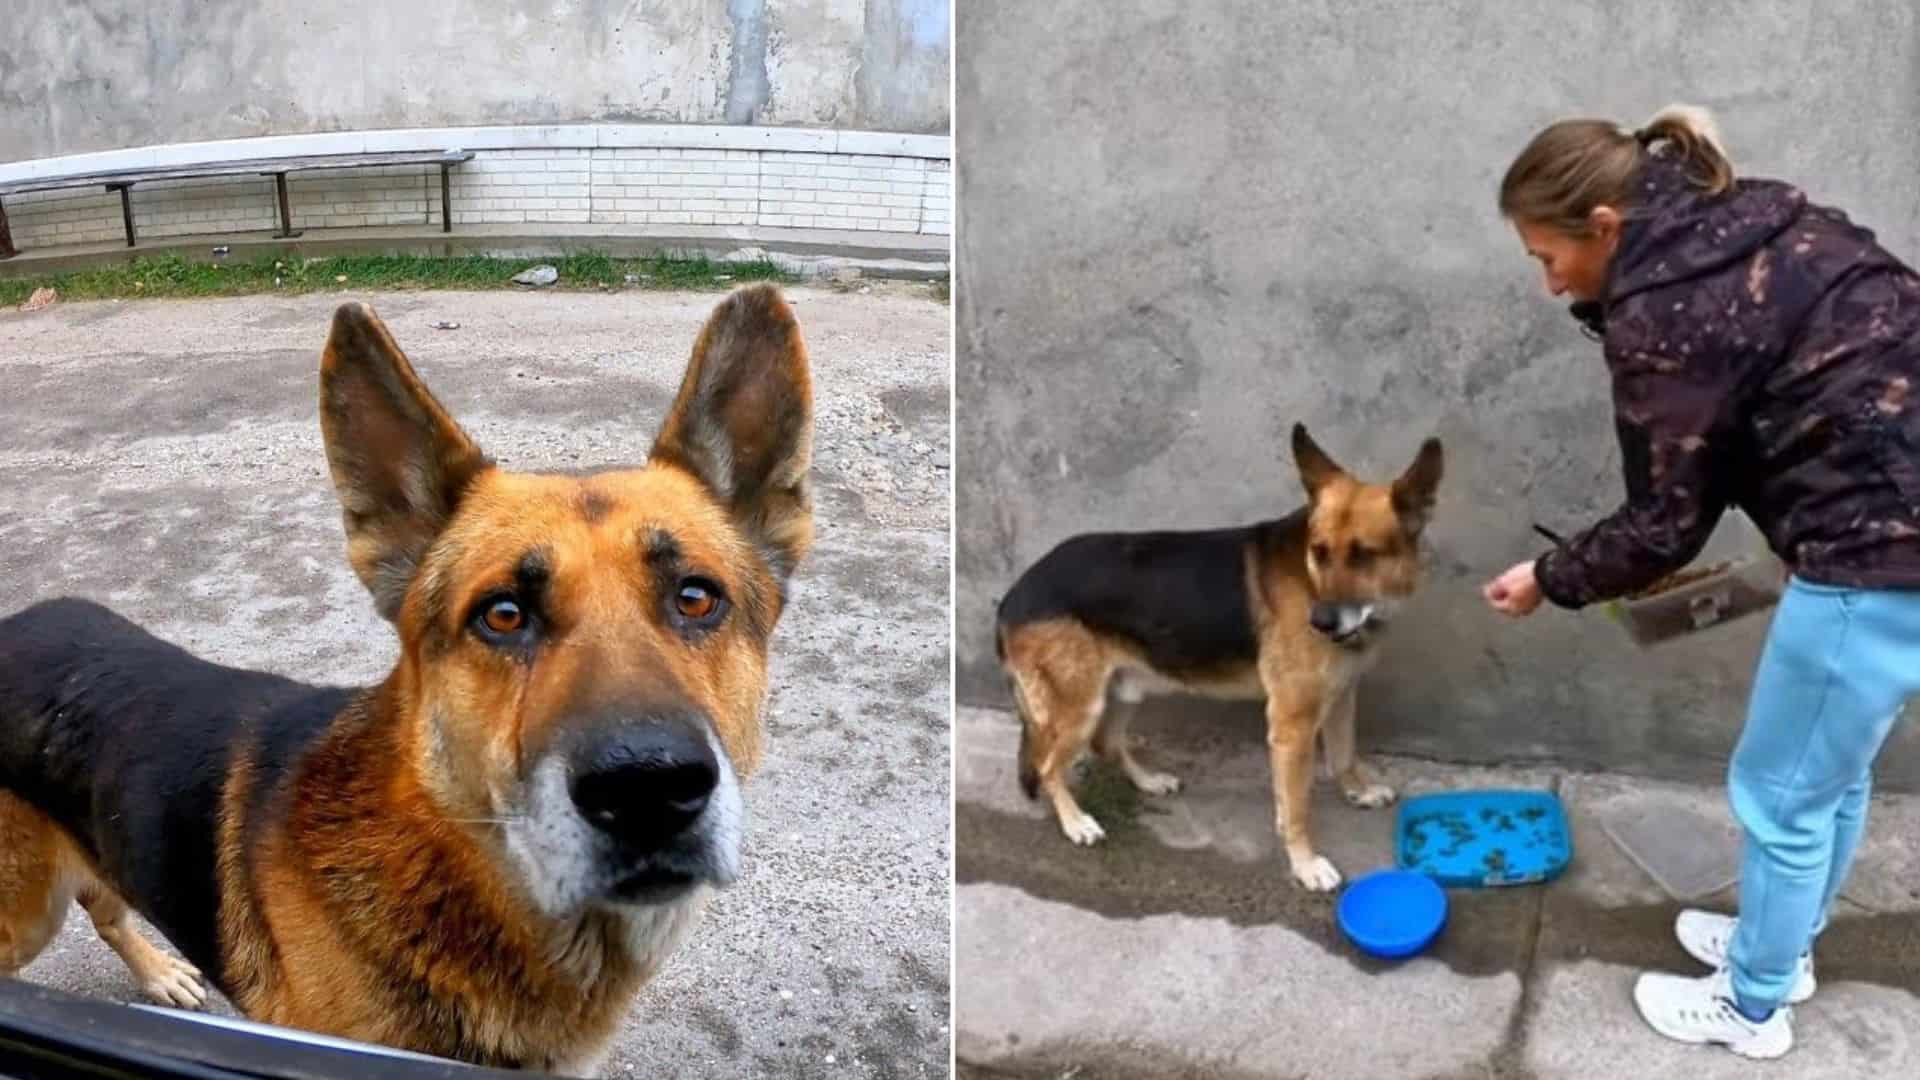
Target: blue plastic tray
[[1473, 839]]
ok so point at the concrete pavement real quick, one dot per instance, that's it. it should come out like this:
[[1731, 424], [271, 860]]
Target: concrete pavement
[[1181, 947]]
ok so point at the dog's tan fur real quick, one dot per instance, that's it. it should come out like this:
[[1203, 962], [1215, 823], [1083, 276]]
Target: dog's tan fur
[[41, 874], [371, 895], [1061, 668]]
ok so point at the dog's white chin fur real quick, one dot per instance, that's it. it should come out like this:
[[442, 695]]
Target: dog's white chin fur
[[1360, 617], [567, 865]]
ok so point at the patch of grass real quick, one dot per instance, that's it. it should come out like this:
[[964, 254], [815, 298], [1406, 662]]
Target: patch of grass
[[174, 276], [1110, 797]]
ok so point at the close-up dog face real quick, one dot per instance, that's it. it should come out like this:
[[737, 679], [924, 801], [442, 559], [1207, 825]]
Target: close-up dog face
[[1363, 539], [584, 658]]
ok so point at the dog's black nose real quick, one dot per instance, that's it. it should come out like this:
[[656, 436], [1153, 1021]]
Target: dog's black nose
[[1324, 618], [646, 782]]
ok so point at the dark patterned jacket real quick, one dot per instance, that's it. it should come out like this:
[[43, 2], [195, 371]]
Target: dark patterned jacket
[[1765, 354]]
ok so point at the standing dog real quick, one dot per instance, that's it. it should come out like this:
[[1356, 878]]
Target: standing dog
[[1288, 610], [486, 855]]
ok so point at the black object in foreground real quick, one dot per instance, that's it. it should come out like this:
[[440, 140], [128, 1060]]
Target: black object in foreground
[[47, 1033]]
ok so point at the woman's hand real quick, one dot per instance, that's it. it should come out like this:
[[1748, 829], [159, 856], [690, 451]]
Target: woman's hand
[[1516, 592]]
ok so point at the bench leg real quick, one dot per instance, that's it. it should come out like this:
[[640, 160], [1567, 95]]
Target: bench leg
[[126, 210], [446, 201], [286, 210], [7, 250]]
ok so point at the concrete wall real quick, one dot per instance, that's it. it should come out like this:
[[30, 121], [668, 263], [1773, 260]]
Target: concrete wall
[[1184, 227], [84, 75]]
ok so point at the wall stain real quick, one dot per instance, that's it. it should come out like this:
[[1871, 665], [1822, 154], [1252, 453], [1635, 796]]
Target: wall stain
[[747, 89]]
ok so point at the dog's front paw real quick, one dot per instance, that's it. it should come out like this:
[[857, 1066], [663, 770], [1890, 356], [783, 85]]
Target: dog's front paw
[[1370, 796], [175, 983], [1157, 783], [1316, 874], [1082, 829]]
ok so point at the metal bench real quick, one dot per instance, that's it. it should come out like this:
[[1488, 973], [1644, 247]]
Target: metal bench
[[122, 180]]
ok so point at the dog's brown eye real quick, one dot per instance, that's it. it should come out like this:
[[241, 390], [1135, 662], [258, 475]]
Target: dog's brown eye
[[1359, 555], [695, 600], [1320, 553], [504, 617]]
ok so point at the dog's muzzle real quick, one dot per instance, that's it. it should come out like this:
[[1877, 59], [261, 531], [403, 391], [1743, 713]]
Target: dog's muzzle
[[1345, 624], [634, 810], [651, 790]]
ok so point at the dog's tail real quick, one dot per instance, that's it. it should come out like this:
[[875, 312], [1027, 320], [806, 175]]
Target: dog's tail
[[1029, 771]]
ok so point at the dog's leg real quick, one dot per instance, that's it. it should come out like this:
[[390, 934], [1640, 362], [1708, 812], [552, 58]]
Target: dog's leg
[[34, 893], [164, 978], [1111, 741], [1291, 721], [1065, 722], [1356, 781], [1078, 718], [1059, 681]]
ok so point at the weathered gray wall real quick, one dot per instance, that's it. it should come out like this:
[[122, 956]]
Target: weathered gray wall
[[1183, 227], [83, 75]]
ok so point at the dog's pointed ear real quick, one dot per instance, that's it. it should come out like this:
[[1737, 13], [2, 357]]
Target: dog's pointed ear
[[1317, 470], [1414, 491], [742, 422], [400, 464]]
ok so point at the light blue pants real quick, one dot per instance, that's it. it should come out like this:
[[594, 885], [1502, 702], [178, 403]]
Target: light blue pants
[[1838, 667]]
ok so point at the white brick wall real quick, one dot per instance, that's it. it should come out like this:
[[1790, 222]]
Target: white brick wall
[[842, 191], [184, 207], [513, 187], [54, 218], [936, 200], [666, 186], [391, 195], [631, 186]]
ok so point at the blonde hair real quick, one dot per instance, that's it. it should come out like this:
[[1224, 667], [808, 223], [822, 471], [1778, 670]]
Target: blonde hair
[[1576, 165]]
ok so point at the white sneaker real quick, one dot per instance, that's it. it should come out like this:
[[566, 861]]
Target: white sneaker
[[1706, 936], [1702, 1011]]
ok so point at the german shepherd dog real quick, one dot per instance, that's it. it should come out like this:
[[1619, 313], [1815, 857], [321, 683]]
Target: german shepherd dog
[[486, 855], [1289, 610]]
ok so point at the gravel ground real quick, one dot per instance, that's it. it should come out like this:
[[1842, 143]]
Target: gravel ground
[[164, 458]]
